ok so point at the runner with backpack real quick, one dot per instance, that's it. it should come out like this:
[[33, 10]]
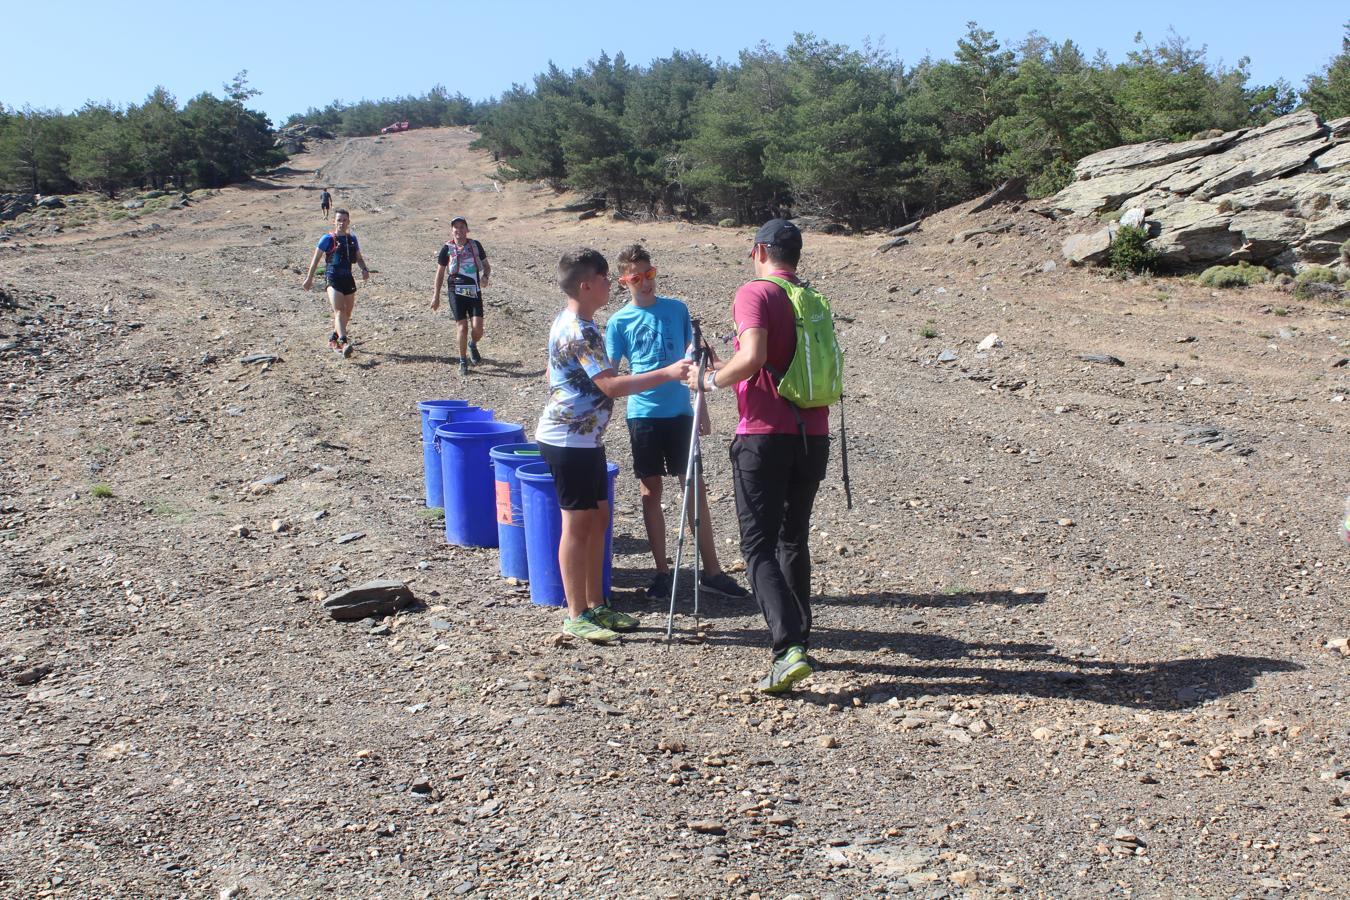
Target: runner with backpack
[[786, 371], [325, 201], [340, 251], [464, 262]]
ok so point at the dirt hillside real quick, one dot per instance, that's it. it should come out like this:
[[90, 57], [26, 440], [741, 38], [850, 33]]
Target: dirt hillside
[[1073, 633]]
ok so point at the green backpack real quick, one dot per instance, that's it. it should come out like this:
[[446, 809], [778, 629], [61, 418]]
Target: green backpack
[[815, 376]]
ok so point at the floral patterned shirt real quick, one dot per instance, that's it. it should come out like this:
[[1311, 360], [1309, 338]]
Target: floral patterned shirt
[[577, 411]]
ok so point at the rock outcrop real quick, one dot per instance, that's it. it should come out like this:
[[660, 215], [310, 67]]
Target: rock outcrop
[[291, 139], [1279, 195], [14, 205]]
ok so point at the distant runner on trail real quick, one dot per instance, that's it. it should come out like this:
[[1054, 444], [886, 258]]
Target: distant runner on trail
[[466, 263], [340, 250], [325, 201]]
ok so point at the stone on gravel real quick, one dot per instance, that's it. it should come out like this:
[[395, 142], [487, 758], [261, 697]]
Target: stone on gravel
[[32, 675], [707, 826], [1103, 358], [947, 356], [828, 741], [989, 343], [374, 598], [349, 537], [964, 878]]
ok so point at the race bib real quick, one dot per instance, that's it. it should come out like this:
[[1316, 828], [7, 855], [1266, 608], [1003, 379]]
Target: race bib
[[466, 290]]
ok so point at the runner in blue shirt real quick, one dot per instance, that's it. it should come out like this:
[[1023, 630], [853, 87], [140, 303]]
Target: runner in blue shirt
[[340, 251]]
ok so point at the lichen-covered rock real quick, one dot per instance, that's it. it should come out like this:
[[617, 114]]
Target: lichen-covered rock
[[1271, 194]]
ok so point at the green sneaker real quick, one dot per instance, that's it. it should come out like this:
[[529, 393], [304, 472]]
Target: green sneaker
[[612, 619], [587, 628], [787, 670]]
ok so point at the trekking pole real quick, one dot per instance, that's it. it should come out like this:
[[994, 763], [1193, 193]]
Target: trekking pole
[[843, 453], [693, 472]]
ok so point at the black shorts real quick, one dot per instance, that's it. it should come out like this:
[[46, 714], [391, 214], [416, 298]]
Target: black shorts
[[466, 307], [660, 446], [579, 475], [343, 284]]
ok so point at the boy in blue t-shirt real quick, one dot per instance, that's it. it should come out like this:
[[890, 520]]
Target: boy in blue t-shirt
[[582, 387], [652, 332]]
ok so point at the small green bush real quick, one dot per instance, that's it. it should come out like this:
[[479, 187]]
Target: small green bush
[[101, 491], [1312, 275], [727, 223], [1130, 251], [1244, 274], [928, 331], [1318, 274]]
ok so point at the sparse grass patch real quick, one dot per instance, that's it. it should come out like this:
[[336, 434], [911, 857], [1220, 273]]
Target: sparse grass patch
[[144, 420], [431, 514], [101, 491], [928, 331], [1244, 274], [952, 590], [1280, 311], [167, 509]]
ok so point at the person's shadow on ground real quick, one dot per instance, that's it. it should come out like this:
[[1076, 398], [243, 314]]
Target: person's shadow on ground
[[932, 664]]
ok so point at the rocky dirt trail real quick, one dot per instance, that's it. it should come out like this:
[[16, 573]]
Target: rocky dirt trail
[[1074, 631]]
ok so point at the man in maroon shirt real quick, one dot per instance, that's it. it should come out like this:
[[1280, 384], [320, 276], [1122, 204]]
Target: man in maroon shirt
[[778, 456]]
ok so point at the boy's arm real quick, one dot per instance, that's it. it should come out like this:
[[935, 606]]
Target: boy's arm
[[440, 283], [313, 265], [361, 261], [615, 385]]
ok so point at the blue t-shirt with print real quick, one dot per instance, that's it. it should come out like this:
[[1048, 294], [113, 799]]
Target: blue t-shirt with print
[[653, 337], [577, 411]]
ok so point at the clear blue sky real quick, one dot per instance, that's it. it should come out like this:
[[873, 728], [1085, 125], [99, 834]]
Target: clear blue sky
[[60, 53]]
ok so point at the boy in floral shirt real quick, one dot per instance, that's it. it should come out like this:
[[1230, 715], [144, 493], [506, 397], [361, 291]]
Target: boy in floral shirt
[[582, 387]]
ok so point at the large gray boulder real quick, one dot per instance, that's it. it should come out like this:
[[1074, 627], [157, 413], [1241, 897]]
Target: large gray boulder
[[1278, 193]]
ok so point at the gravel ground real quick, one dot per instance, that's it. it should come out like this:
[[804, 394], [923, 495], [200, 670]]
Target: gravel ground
[[1073, 635]]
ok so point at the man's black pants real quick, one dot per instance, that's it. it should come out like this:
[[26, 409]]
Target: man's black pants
[[776, 477]]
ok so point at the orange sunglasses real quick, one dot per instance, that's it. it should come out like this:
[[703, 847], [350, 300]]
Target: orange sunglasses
[[638, 277]]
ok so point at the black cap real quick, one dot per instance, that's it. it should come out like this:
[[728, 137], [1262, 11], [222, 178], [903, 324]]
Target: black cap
[[459, 219], [779, 233]]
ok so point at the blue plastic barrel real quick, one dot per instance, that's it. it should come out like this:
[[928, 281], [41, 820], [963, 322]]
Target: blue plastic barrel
[[543, 533], [506, 458], [431, 460], [437, 418], [466, 473]]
